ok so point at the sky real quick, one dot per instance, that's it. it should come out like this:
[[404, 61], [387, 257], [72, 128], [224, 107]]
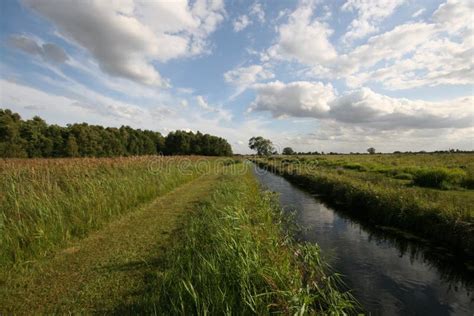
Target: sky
[[340, 75]]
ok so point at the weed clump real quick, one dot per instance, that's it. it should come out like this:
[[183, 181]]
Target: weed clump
[[439, 178]]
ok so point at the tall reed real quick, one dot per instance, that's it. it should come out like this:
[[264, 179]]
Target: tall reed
[[234, 257], [46, 202]]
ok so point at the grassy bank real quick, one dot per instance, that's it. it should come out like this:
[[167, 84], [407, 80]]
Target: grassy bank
[[370, 188], [234, 257], [46, 202], [109, 267], [215, 245]]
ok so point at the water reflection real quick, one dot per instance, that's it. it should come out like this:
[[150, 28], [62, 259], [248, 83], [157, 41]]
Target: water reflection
[[390, 275]]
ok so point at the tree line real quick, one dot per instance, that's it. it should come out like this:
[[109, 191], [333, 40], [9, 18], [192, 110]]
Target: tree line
[[264, 147], [35, 138]]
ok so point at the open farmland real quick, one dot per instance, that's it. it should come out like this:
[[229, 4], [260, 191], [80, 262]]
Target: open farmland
[[430, 195]]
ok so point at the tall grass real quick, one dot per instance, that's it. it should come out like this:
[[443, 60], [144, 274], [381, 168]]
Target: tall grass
[[46, 202], [441, 178], [234, 258]]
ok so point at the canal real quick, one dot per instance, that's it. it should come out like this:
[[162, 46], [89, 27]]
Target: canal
[[388, 275]]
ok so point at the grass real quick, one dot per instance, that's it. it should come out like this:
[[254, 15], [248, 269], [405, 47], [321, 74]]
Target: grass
[[109, 267], [44, 203], [211, 243], [422, 194], [235, 258], [440, 178]]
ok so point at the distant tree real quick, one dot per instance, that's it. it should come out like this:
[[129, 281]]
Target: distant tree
[[34, 131], [371, 150], [264, 147], [72, 150], [35, 138], [11, 143], [288, 151]]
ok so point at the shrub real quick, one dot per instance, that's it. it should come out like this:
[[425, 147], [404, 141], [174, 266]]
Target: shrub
[[468, 182], [440, 178]]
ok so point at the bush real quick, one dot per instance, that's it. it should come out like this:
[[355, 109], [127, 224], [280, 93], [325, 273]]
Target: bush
[[468, 182], [439, 178]]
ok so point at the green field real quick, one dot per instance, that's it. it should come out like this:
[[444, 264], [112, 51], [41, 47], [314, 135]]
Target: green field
[[154, 236], [430, 195]]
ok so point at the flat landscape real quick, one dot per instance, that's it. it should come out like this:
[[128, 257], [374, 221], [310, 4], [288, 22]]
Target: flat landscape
[[147, 235], [229, 157]]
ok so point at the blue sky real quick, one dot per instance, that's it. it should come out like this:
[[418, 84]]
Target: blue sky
[[314, 75]]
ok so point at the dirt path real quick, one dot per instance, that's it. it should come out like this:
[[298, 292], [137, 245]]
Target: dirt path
[[108, 269]]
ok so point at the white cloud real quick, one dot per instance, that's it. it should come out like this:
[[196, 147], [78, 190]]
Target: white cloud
[[202, 102], [340, 137], [370, 109], [255, 13], [23, 98], [369, 14], [243, 77], [436, 62], [418, 13], [125, 36], [241, 23], [455, 15], [218, 112], [299, 99], [439, 53], [304, 39], [48, 51], [388, 46], [410, 55], [361, 107]]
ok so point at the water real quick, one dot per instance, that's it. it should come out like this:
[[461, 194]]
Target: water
[[388, 276]]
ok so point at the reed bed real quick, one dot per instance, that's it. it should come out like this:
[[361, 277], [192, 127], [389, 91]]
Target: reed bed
[[235, 257], [44, 203]]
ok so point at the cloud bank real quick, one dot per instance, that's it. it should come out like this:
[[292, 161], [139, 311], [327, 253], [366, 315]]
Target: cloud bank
[[362, 107], [126, 36]]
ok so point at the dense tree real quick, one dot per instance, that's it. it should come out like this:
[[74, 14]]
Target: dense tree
[[288, 151], [72, 150], [264, 147], [35, 138], [371, 150], [11, 143]]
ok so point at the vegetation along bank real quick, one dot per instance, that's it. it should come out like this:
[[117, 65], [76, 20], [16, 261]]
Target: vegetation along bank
[[428, 195], [135, 235]]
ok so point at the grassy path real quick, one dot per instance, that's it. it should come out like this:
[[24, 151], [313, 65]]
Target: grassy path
[[108, 268]]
